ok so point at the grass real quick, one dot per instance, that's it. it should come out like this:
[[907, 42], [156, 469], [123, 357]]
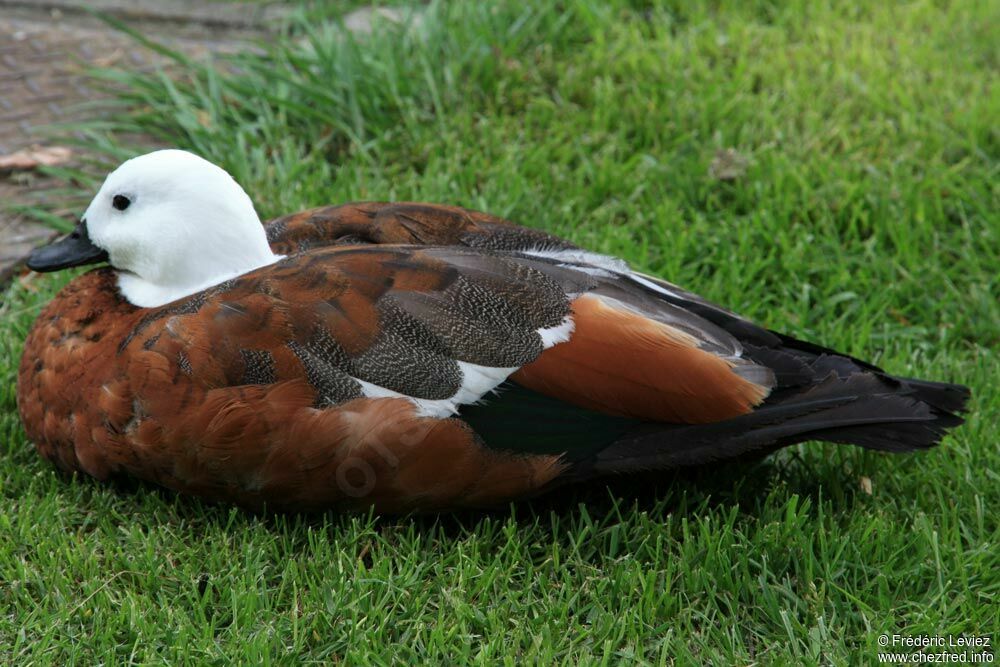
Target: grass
[[862, 214]]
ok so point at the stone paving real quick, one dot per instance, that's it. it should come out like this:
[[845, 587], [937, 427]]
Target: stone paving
[[45, 47]]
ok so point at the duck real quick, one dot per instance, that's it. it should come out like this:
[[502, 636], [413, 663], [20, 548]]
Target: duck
[[405, 357]]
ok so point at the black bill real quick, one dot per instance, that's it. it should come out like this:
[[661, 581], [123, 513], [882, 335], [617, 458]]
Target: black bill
[[74, 249]]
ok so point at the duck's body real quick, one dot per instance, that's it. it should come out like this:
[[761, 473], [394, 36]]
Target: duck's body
[[411, 356]]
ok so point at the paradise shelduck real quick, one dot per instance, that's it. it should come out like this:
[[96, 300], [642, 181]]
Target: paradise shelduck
[[405, 356]]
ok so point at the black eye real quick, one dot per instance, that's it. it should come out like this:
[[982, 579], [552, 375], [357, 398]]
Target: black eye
[[121, 202]]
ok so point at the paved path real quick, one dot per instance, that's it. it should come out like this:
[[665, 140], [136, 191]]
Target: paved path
[[45, 46]]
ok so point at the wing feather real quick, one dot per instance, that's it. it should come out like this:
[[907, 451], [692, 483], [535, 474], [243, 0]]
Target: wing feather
[[440, 329]]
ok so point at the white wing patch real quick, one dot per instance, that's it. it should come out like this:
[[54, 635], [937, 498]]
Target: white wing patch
[[656, 287], [605, 266], [477, 381], [557, 334], [595, 263]]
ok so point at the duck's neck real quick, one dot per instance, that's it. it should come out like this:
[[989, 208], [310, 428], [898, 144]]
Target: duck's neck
[[175, 268], [148, 294]]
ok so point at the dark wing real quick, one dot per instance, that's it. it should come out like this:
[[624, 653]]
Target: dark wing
[[440, 327], [445, 326], [889, 412]]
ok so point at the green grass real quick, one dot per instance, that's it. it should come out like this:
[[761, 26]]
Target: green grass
[[866, 219]]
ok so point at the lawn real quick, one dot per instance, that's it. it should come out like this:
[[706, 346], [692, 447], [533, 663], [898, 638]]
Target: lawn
[[829, 169]]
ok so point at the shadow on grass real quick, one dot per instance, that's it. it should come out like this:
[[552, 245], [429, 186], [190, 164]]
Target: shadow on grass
[[687, 492]]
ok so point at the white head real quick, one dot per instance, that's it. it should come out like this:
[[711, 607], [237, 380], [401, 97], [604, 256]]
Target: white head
[[173, 224]]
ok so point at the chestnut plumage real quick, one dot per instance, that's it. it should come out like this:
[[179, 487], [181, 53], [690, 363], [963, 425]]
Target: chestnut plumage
[[421, 357]]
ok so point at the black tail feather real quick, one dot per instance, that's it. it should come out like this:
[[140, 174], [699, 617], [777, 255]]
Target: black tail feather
[[869, 409], [820, 394], [941, 395]]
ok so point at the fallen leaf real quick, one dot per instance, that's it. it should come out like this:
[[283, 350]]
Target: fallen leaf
[[866, 485], [36, 156], [899, 317], [728, 165], [27, 281], [109, 60], [204, 119]]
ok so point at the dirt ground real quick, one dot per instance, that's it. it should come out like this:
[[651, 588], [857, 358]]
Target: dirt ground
[[45, 48]]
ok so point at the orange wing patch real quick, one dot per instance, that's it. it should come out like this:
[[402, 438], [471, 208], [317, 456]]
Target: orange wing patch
[[622, 363]]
